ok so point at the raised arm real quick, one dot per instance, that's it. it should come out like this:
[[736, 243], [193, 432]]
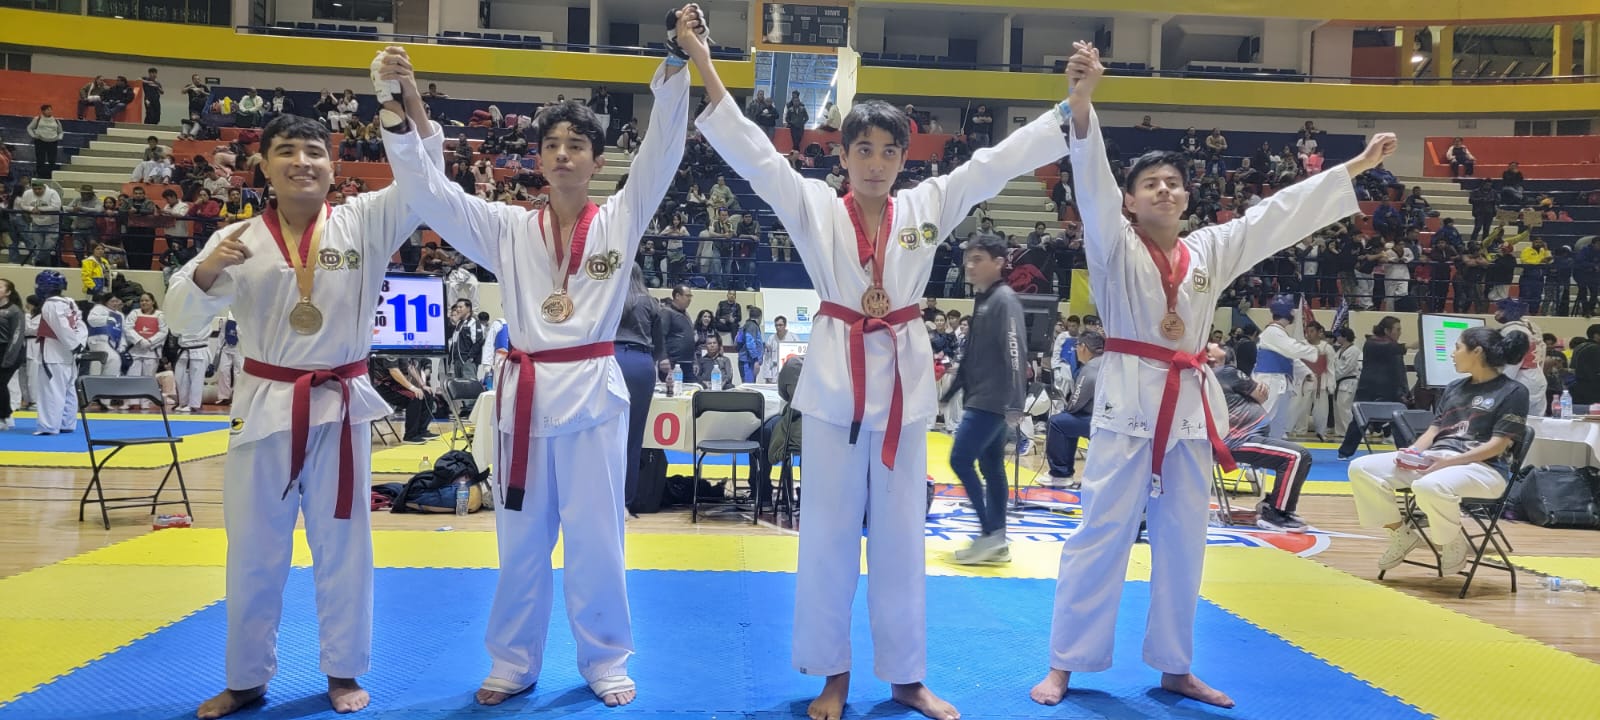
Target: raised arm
[[1098, 196], [659, 154]]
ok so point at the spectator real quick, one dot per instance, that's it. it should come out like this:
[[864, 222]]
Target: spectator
[[152, 97], [1443, 257], [181, 233], [1484, 206], [1557, 276], [705, 327], [1190, 145], [795, 117], [600, 103], [1417, 208], [1586, 274], [747, 237], [1382, 377], [237, 208], [680, 334], [1586, 367], [83, 210], [280, 104], [1397, 259], [108, 228], [46, 132], [728, 318], [1388, 221], [96, 271], [770, 354], [1533, 260], [42, 205], [344, 111], [432, 93], [836, 179], [1216, 145], [140, 216], [831, 117], [911, 116], [980, 127], [721, 196], [401, 385], [93, 95], [714, 361], [1040, 236], [628, 136], [117, 97], [750, 345], [1072, 423], [1511, 185], [1306, 144], [189, 128], [1146, 125], [713, 242], [434, 259], [198, 93], [1460, 159], [251, 107]]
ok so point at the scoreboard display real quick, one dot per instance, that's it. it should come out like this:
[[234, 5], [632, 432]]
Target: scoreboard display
[[410, 315], [805, 25]]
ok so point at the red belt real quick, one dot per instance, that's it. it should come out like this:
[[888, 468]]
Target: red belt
[[860, 325], [522, 420], [300, 420], [1177, 361]]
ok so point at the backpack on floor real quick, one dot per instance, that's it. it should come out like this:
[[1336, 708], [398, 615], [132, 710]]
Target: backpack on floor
[[1560, 496], [434, 491]]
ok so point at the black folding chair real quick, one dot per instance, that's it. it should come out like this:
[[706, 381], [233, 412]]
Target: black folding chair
[[728, 402], [1371, 416], [1484, 512], [1408, 426], [100, 389], [460, 394]]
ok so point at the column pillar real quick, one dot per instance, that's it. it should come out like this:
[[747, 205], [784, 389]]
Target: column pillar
[[1444, 54]]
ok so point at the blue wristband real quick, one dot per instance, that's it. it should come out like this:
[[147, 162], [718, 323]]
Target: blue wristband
[[675, 61]]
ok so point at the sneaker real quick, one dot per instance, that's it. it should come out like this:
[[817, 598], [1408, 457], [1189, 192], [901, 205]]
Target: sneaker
[[1305, 526], [1401, 542], [428, 435], [414, 441], [1453, 556], [1345, 458], [183, 411], [984, 549], [1271, 518], [1024, 445], [10, 423], [1057, 482]]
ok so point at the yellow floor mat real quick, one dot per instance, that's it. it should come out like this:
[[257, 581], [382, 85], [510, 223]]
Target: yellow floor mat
[[1441, 661], [1586, 569]]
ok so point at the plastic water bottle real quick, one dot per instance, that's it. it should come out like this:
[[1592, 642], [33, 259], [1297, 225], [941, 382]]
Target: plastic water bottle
[[677, 379], [426, 465], [1566, 404], [1565, 592], [462, 495], [716, 378]]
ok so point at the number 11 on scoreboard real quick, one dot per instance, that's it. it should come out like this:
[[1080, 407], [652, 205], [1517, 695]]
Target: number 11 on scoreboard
[[423, 310]]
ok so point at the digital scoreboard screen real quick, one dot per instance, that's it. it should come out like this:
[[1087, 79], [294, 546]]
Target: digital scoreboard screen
[[805, 25]]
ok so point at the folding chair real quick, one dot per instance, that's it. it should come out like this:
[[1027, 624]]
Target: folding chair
[[1484, 512], [458, 394], [1372, 415], [1219, 492], [1410, 425], [95, 388], [383, 429], [786, 496], [729, 402]]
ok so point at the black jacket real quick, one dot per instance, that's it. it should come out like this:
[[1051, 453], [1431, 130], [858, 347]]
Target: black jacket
[[993, 376], [679, 333]]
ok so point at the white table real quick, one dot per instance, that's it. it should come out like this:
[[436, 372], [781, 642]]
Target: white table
[[1563, 442], [667, 429]]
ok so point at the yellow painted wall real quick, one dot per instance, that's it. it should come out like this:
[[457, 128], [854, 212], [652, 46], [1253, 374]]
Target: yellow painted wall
[[1367, 11]]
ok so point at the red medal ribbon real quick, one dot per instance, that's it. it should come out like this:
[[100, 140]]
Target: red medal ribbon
[[273, 227], [1171, 275], [868, 249], [300, 420], [860, 325], [566, 262], [522, 422]]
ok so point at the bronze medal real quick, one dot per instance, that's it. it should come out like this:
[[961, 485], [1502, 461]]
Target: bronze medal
[[875, 302], [557, 308], [1172, 327], [305, 318]]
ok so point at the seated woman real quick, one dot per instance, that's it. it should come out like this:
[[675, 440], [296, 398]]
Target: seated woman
[[1469, 442]]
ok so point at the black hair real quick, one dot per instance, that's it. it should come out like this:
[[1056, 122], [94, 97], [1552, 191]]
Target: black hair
[[1314, 324], [876, 114], [681, 289], [1384, 325], [101, 298], [294, 127], [169, 193], [1152, 160], [46, 106], [1229, 356], [153, 304], [1092, 320], [150, 70], [1092, 341], [462, 301], [578, 115], [1073, 318], [1346, 333], [753, 312], [993, 246], [780, 319], [1591, 331], [483, 317], [1498, 348]]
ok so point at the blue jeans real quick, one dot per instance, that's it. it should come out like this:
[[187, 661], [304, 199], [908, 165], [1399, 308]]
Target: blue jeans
[[1061, 442], [980, 444], [639, 373]]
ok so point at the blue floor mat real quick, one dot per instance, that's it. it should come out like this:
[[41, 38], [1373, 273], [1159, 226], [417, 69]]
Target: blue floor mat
[[713, 644], [22, 439]]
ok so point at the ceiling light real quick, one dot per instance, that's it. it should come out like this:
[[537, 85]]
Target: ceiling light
[[1416, 58]]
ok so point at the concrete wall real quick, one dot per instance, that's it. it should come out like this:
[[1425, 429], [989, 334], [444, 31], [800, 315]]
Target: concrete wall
[[1331, 51], [1054, 35]]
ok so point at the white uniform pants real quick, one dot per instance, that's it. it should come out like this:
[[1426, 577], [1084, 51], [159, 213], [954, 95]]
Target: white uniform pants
[[260, 525], [229, 363], [143, 367], [112, 367], [1277, 405], [1344, 406], [1373, 483], [849, 483], [575, 484], [57, 401], [190, 374], [1538, 387], [1094, 560], [1319, 413], [1300, 403], [22, 384]]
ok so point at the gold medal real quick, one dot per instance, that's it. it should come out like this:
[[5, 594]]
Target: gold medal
[[305, 318], [1172, 327], [557, 308], [875, 302]]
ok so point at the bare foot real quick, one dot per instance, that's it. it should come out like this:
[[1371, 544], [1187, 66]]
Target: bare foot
[[919, 698], [830, 704], [228, 702], [1191, 687], [346, 695], [491, 697], [619, 698], [1052, 688]]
